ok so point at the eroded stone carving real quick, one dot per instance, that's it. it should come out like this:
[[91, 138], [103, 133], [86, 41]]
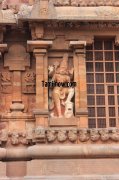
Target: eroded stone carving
[[29, 78], [85, 3], [14, 137], [3, 136], [72, 135], [94, 135], [83, 135], [39, 135], [115, 135], [37, 31], [60, 96], [51, 135], [6, 82], [42, 135], [12, 9], [62, 136], [104, 134]]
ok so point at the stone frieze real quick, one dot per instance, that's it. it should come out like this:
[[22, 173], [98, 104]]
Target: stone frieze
[[86, 3], [42, 135]]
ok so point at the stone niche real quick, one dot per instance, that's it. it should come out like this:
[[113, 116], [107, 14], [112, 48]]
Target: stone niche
[[60, 95]]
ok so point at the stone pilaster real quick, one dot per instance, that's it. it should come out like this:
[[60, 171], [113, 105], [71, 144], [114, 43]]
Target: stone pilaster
[[80, 78], [39, 48]]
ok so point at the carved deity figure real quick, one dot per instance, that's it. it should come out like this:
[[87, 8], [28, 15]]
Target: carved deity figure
[[60, 97]]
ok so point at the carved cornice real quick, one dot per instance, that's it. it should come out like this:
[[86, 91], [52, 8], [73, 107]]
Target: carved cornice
[[82, 25]]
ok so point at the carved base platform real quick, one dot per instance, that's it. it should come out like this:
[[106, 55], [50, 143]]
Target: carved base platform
[[62, 122]]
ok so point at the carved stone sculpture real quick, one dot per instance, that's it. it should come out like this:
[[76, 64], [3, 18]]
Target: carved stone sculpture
[[94, 135], [15, 138], [83, 135], [72, 135], [62, 136], [29, 79], [3, 136], [60, 96], [51, 135], [115, 135], [6, 82], [104, 134], [39, 135], [11, 9]]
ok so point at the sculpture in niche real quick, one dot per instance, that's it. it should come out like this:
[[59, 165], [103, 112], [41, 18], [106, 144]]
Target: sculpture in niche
[[60, 97]]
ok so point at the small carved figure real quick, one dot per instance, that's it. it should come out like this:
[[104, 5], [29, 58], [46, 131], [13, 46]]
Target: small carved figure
[[51, 135], [39, 135], [104, 134], [5, 77], [83, 135], [94, 135], [30, 77], [115, 134], [23, 139], [3, 135], [15, 138], [62, 136], [72, 135]]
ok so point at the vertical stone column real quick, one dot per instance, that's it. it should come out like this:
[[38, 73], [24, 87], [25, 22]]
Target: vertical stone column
[[80, 78], [40, 71], [39, 48]]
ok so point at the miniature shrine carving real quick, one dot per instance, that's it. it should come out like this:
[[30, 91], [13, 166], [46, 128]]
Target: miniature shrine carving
[[60, 96]]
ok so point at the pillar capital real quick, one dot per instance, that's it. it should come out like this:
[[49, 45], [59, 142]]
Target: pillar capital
[[38, 46], [78, 44], [3, 48]]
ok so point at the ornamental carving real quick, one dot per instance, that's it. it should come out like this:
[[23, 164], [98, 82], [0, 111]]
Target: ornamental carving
[[14, 137], [85, 3], [51, 135], [62, 136], [61, 89], [29, 85], [104, 134], [115, 135], [6, 82], [83, 135], [94, 135], [39, 135], [12, 9], [72, 135], [37, 31], [3, 136]]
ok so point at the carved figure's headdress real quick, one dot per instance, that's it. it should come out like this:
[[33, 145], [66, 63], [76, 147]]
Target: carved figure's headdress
[[64, 63]]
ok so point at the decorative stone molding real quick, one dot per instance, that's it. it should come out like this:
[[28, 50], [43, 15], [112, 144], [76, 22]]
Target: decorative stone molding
[[85, 3], [41, 135], [82, 25]]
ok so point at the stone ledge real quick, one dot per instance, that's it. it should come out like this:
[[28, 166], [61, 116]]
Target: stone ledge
[[84, 177]]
